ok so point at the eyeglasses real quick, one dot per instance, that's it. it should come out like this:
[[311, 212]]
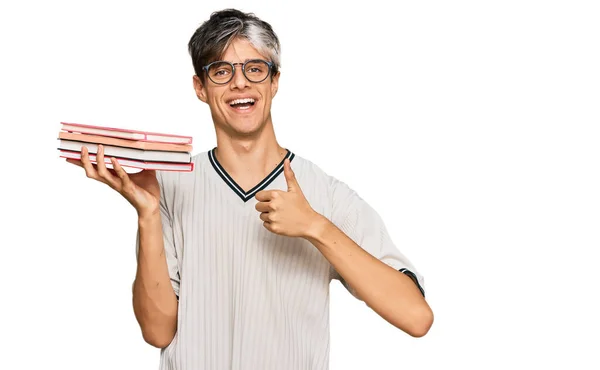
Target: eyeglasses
[[255, 70]]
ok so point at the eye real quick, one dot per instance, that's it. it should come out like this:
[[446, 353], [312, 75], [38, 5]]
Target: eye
[[256, 67], [221, 72]]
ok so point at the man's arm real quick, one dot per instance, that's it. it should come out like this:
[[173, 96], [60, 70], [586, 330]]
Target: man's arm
[[390, 293], [154, 301]]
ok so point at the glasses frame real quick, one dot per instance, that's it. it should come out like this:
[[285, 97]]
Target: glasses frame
[[206, 67]]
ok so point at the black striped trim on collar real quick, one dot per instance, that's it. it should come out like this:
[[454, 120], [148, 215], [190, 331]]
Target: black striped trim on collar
[[245, 196]]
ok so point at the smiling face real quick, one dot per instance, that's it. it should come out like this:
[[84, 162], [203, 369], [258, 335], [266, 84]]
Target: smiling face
[[240, 107]]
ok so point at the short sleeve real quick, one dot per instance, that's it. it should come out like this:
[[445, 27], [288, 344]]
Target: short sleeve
[[166, 216], [361, 223]]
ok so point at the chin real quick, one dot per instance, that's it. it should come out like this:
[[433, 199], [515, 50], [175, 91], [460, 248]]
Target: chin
[[246, 128]]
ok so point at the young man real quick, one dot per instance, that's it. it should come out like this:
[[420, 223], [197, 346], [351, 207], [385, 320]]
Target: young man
[[235, 259]]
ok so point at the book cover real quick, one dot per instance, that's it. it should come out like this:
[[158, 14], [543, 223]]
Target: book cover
[[143, 145], [125, 133]]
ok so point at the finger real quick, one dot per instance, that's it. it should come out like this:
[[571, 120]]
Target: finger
[[103, 171], [90, 170], [100, 159], [274, 228], [263, 207], [290, 176], [265, 195], [265, 217], [127, 186], [120, 172]]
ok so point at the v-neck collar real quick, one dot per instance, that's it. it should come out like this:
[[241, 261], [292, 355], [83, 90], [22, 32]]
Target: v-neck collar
[[245, 196]]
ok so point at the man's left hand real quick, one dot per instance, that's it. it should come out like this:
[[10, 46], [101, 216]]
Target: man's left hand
[[287, 212]]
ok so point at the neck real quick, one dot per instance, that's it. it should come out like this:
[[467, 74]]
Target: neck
[[249, 159]]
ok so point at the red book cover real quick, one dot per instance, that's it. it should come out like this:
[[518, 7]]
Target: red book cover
[[126, 133]]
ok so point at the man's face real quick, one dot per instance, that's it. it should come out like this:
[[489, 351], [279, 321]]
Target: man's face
[[250, 116]]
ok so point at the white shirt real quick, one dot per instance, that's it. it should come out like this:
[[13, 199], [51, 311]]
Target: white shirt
[[250, 299]]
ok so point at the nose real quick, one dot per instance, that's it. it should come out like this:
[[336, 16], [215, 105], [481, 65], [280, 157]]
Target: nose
[[239, 81]]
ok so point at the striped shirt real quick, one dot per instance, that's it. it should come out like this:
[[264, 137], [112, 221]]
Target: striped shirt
[[250, 299]]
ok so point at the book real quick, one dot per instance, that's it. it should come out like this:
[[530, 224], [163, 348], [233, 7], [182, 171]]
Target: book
[[144, 165], [144, 145], [125, 133], [127, 153]]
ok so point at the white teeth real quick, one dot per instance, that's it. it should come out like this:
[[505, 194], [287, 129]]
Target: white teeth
[[241, 101]]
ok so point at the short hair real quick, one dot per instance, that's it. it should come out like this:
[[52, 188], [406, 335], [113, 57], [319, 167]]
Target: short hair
[[216, 34]]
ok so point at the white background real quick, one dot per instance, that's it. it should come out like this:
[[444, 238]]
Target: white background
[[471, 126]]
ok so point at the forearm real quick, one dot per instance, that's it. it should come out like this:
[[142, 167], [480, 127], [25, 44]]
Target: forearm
[[390, 293], [154, 301]]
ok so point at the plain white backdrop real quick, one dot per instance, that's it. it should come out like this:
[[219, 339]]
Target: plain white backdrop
[[470, 126]]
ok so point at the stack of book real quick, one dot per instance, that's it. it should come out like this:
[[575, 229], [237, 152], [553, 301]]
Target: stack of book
[[131, 148]]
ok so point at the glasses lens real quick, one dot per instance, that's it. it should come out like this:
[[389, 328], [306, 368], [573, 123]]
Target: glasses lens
[[220, 72], [256, 70]]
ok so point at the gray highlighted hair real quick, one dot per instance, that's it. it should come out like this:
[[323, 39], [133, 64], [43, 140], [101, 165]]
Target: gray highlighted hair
[[214, 36]]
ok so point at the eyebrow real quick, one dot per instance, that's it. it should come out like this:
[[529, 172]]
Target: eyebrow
[[244, 61]]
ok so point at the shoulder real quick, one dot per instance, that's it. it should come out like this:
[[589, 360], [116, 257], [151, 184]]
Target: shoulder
[[339, 194], [310, 174]]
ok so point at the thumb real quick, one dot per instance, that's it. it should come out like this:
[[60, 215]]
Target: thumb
[[290, 177]]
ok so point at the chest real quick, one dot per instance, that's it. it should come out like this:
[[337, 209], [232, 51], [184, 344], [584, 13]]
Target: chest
[[217, 240]]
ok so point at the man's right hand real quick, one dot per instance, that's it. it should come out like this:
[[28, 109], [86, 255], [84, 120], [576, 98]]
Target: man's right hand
[[141, 189], [154, 301]]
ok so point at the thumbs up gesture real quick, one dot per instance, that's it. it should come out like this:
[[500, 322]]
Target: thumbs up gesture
[[287, 212]]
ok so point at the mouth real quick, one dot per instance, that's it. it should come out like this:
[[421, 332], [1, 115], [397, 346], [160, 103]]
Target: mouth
[[242, 105]]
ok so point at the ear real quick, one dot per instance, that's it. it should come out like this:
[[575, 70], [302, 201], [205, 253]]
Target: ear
[[275, 84], [199, 88]]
